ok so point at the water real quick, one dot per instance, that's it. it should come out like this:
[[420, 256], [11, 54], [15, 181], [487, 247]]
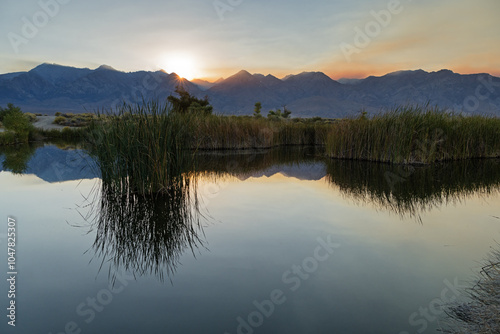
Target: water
[[282, 242]]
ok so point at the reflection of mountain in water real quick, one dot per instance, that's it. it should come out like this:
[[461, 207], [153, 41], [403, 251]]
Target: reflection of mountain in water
[[302, 163], [307, 171], [48, 162], [146, 233], [53, 164]]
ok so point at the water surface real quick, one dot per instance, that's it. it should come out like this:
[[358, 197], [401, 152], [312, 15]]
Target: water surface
[[276, 241]]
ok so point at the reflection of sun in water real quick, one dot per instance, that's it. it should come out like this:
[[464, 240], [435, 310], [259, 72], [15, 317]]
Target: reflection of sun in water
[[181, 64]]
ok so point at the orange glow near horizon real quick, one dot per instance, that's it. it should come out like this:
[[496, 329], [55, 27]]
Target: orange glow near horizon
[[360, 71]]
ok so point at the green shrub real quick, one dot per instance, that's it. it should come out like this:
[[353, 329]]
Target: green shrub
[[60, 120], [31, 117], [9, 110]]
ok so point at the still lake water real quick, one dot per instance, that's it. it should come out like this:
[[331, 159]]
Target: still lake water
[[282, 242]]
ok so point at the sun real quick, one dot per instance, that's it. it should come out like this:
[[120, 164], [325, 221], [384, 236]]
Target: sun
[[183, 65]]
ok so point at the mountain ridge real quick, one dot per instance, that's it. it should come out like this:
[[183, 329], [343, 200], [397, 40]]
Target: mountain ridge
[[51, 87]]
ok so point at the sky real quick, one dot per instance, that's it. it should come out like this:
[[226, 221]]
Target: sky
[[217, 38]]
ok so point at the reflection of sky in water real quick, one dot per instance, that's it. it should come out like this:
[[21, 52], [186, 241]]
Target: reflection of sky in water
[[386, 268]]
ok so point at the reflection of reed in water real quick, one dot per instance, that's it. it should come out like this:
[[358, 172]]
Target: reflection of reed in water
[[410, 191], [147, 233]]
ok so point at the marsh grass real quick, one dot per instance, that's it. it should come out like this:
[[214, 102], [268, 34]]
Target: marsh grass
[[140, 147], [415, 135], [231, 132], [143, 146]]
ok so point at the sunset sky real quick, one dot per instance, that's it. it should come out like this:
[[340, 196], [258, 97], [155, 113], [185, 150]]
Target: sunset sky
[[217, 38]]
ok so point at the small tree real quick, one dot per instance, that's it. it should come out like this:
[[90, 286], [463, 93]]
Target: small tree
[[274, 114], [286, 112], [363, 115], [187, 103], [196, 107], [257, 110], [278, 114]]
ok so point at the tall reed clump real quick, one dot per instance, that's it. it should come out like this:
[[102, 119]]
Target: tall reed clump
[[415, 135], [140, 147], [145, 145]]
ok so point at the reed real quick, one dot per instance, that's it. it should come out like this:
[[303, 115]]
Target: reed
[[144, 145], [415, 135], [140, 147]]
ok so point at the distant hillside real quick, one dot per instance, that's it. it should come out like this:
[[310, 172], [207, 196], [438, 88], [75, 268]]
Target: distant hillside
[[49, 88]]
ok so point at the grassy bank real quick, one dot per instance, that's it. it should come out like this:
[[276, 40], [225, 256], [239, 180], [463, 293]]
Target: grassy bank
[[405, 135], [220, 132], [146, 144], [414, 135], [8, 138]]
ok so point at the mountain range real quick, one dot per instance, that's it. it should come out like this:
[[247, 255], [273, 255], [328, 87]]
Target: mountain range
[[49, 88]]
